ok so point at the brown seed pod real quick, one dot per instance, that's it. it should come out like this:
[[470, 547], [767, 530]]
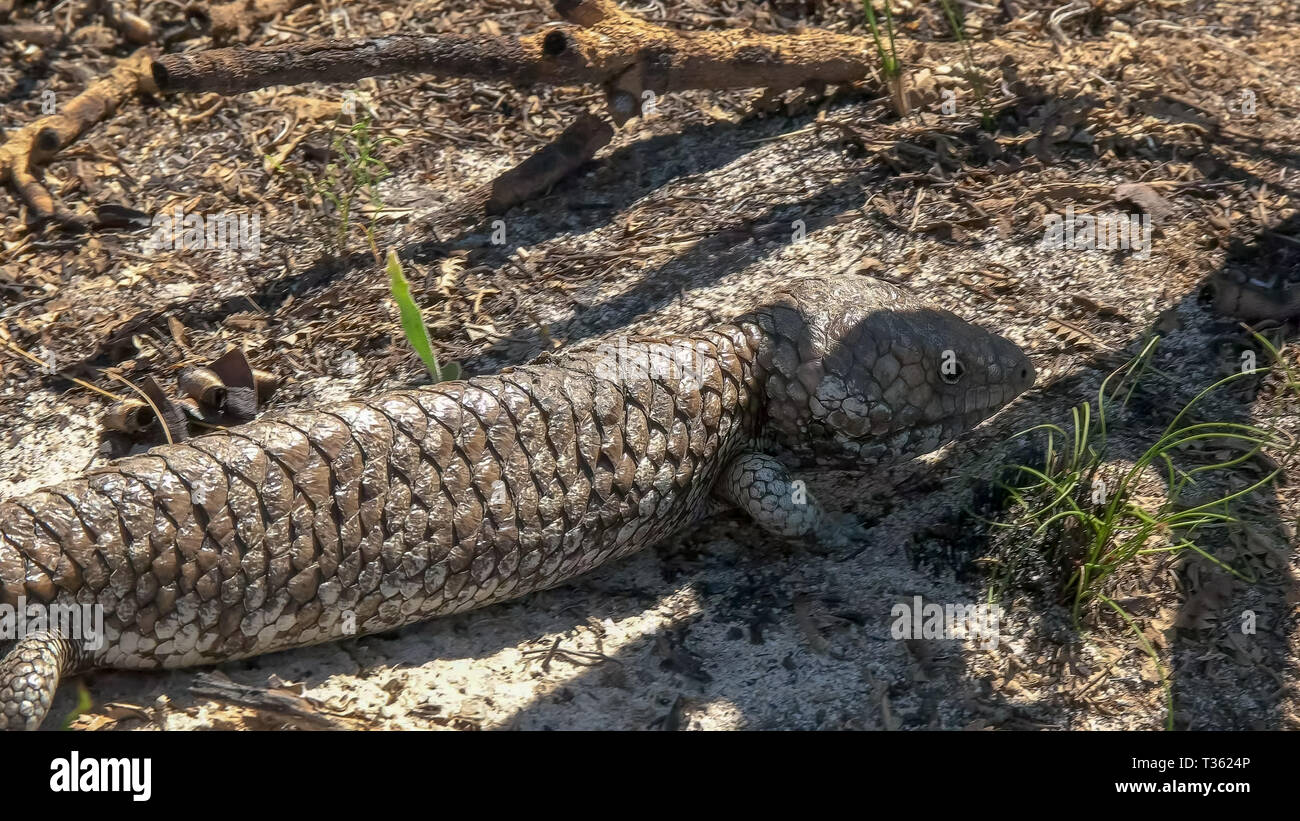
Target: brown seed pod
[[136, 29], [236, 374], [129, 416], [203, 385], [193, 409], [173, 417], [266, 383]]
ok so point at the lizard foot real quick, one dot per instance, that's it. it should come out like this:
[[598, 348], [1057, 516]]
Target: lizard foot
[[29, 675]]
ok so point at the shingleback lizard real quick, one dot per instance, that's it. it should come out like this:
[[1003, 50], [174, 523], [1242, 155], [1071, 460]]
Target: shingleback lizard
[[357, 518]]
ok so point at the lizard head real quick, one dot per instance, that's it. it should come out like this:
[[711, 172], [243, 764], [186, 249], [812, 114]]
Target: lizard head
[[860, 371]]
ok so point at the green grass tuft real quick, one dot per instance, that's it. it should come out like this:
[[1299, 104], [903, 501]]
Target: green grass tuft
[[1090, 519]]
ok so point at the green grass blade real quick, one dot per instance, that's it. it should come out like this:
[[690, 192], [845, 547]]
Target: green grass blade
[[412, 320]]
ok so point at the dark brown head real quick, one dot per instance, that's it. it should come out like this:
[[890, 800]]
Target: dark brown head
[[860, 371]]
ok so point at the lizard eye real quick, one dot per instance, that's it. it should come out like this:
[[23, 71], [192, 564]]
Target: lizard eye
[[952, 375]]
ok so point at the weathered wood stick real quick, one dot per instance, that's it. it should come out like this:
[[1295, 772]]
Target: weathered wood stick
[[237, 70], [603, 46], [576, 145], [37, 142]]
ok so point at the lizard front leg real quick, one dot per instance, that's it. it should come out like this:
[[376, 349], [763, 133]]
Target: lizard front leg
[[29, 675], [762, 486]]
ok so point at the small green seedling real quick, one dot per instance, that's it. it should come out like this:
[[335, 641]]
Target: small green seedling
[[413, 324], [889, 63], [354, 167], [891, 68]]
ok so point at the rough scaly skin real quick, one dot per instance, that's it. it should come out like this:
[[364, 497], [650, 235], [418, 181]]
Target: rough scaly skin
[[367, 515]]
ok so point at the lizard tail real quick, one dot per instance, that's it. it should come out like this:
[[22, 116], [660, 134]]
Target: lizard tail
[[30, 674]]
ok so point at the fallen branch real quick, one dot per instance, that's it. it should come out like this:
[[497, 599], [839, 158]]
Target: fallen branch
[[280, 702], [133, 28], [602, 45], [575, 146], [36, 143], [30, 33]]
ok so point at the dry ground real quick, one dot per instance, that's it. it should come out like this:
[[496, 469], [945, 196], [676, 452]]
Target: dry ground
[[687, 216]]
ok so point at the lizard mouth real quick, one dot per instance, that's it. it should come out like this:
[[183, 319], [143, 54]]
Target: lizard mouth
[[1025, 375]]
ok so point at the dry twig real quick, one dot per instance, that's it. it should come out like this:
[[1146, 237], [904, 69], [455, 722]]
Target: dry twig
[[36, 143], [601, 45]]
